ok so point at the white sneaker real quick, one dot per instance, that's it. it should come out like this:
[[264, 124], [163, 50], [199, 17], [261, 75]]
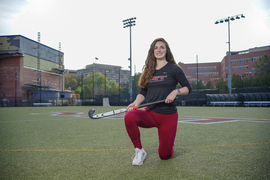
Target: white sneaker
[[139, 156]]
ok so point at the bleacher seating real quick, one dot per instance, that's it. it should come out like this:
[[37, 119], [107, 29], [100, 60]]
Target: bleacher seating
[[240, 99], [256, 99], [222, 99]]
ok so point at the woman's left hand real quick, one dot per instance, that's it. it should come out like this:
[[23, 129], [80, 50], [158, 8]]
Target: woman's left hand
[[170, 98]]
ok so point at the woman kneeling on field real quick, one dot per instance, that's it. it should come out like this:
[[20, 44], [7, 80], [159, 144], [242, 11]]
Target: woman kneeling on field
[[158, 81]]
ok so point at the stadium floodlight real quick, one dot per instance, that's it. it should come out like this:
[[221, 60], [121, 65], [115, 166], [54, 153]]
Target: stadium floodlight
[[228, 19], [129, 23]]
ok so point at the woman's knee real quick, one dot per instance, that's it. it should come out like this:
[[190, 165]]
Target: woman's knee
[[166, 153], [165, 156], [129, 117]]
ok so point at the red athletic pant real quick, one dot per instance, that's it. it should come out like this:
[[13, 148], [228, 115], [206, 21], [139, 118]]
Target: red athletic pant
[[166, 124]]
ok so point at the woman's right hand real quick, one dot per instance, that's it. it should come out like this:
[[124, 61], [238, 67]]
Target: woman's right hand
[[130, 107], [139, 99]]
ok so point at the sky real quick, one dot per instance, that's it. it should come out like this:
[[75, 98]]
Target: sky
[[91, 28]]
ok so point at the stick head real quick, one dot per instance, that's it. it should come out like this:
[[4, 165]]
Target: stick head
[[91, 113]]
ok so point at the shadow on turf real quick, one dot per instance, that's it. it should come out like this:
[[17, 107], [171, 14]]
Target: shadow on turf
[[176, 153]]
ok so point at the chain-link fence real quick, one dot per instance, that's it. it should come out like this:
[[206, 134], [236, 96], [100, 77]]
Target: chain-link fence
[[195, 98]]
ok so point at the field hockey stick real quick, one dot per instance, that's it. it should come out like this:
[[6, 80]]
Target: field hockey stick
[[118, 111]]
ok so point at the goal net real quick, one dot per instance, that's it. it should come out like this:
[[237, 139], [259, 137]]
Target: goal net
[[106, 102]]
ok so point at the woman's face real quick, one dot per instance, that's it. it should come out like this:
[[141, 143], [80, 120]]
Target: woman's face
[[160, 50]]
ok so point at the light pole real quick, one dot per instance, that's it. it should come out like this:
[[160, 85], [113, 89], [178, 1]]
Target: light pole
[[38, 66], [129, 23], [197, 80], [95, 76], [228, 19], [82, 85], [119, 83], [106, 71]]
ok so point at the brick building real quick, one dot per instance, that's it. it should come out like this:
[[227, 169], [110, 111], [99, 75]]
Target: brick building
[[207, 71], [21, 79], [113, 73], [241, 64]]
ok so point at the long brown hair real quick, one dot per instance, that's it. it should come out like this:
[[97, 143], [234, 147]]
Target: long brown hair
[[151, 62]]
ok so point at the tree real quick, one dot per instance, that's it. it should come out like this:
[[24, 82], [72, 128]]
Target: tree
[[209, 85], [88, 86], [124, 86], [135, 79], [248, 81], [78, 90], [71, 82], [102, 83], [193, 85], [262, 75], [263, 66], [200, 84], [237, 81], [222, 86], [112, 88]]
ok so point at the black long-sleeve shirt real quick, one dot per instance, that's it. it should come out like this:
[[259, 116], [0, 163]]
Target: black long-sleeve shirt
[[164, 81]]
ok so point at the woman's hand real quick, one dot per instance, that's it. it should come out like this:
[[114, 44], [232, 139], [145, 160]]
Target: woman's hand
[[170, 98], [139, 99], [133, 106], [130, 107]]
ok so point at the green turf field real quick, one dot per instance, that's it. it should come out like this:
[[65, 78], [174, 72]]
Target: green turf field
[[41, 143]]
